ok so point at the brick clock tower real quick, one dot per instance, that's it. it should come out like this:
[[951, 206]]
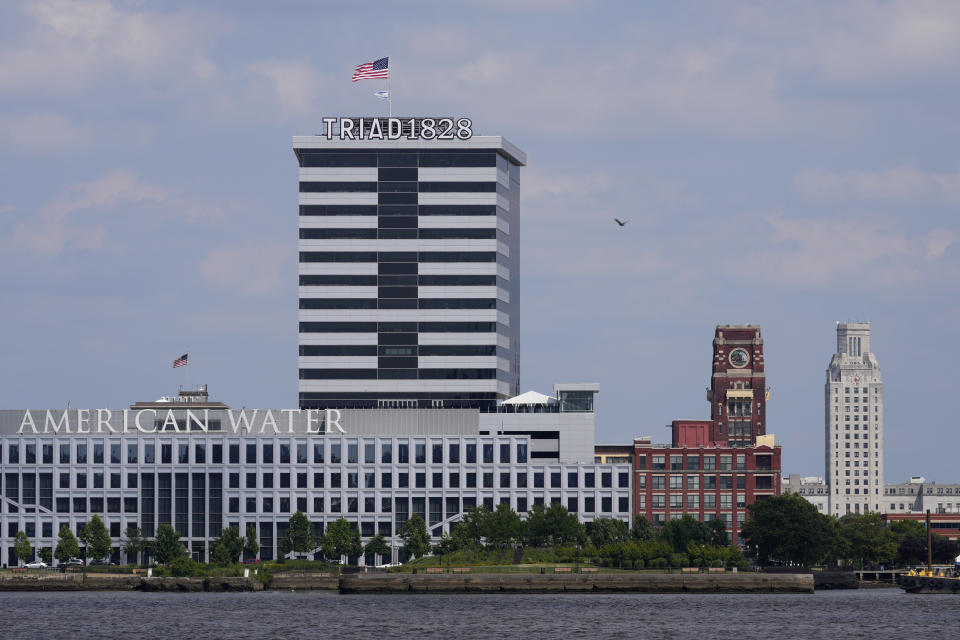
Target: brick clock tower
[[738, 392]]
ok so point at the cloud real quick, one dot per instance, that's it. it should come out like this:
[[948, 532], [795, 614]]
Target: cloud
[[251, 269], [820, 253], [75, 219], [75, 44], [294, 84], [894, 184], [538, 183], [43, 131]]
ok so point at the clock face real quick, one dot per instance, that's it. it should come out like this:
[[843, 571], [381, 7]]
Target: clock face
[[739, 358]]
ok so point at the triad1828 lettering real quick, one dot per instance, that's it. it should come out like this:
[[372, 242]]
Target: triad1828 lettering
[[415, 128]]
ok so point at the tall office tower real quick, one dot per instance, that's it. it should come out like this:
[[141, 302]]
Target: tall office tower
[[409, 266], [738, 391], [853, 423]]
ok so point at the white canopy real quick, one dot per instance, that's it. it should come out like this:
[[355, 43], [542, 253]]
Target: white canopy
[[530, 397]]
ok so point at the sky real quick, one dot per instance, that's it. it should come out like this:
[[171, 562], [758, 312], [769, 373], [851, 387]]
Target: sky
[[787, 165]]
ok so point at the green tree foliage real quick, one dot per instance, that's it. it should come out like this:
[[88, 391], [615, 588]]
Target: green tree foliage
[[96, 538], [553, 525], [444, 546], [719, 536], [603, 531], [167, 546], [470, 531], [67, 546], [684, 531], [300, 533], [341, 540], [787, 528], [21, 547], [867, 541], [227, 548], [503, 527], [250, 545], [642, 530], [416, 540], [46, 554], [377, 546], [134, 543]]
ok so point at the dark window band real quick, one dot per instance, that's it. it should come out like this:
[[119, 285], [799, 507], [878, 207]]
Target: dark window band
[[458, 210], [457, 281], [345, 280], [457, 327], [345, 187], [338, 209], [458, 256], [338, 327], [458, 303], [457, 374], [458, 350], [338, 374], [337, 234], [422, 374], [338, 303], [463, 234], [338, 256], [457, 187]]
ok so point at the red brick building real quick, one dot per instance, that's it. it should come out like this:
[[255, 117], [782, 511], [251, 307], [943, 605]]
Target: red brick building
[[715, 468], [738, 391], [946, 525]]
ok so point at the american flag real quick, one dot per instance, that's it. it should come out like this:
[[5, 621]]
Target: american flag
[[180, 362], [379, 68]]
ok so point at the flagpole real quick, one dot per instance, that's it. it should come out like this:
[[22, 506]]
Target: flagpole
[[389, 92]]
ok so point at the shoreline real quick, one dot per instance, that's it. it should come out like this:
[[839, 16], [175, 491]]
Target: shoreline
[[398, 583]]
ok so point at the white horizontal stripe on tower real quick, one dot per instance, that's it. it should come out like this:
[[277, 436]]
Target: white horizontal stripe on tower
[[479, 386], [457, 362], [338, 197], [401, 315], [338, 268], [457, 222], [459, 292], [338, 338], [463, 338], [338, 222], [337, 292], [338, 362], [459, 174], [457, 197], [459, 269], [338, 174], [403, 245]]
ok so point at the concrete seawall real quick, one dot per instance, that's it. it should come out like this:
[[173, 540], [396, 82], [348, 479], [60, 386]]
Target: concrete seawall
[[601, 582], [119, 582], [304, 581]]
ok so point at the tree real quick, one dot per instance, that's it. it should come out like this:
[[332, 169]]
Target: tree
[[604, 531], [867, 539], [642, 528], [227, 548], [469, 532], [46, 554], [21, 547], [67, 546], [685, 530], [250, 545], [719, 536], [503, 526], [96, 538], [787, 528], [300, 533], [134, 543], [445, 545], [167, 546], [416, 540], [341, 540], [377, 547]]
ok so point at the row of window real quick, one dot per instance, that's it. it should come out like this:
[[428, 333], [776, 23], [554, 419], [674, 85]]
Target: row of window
[[432, 158], [374, 350], [693, 482], [420, 327], [349, 186], [398, 374], [414, 280], [424, 256], [429, 233], [335, 452], [692, 501], [401, 210], [709, 462], [418, 303]]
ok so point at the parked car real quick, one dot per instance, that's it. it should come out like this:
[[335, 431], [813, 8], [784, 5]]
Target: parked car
[[36, 564], [97, 562], [72, 562]]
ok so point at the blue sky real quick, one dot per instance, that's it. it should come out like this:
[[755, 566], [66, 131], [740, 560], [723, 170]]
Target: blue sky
[[782, 164]]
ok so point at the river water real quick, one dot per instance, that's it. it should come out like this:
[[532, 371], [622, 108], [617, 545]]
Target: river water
[[833, 615]]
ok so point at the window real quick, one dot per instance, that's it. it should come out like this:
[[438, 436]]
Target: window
[[115, 453], [183, 453], [693, 463], [386, 453], [572, 479], [353, 453], [131, 454], [693, 483], [471, 453], [676, 463], [420, 453], [555, 479], [200, 453], [676, 481], [267, 453], [659, 501], [538, 479], [659, 463], [709, 463], [693, 501], [658, 483], [505, 453], [606, 480], [676, 501], [522, 453], [488, 454]]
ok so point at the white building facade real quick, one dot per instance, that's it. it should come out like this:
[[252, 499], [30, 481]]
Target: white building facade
[[853, 424]]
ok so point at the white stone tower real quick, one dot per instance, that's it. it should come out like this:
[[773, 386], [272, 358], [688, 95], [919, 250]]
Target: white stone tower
[[853, 423]]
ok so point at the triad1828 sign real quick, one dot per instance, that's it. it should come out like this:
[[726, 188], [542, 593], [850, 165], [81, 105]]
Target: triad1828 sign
[[397, 128]]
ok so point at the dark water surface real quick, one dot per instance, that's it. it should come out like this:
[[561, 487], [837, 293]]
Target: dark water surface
[[835, 615]]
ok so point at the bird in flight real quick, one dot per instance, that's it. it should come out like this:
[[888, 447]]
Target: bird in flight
[[621, 222]]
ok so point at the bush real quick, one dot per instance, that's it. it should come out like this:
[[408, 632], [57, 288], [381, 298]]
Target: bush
[[657, 563], [679, 560], [184, 567]]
